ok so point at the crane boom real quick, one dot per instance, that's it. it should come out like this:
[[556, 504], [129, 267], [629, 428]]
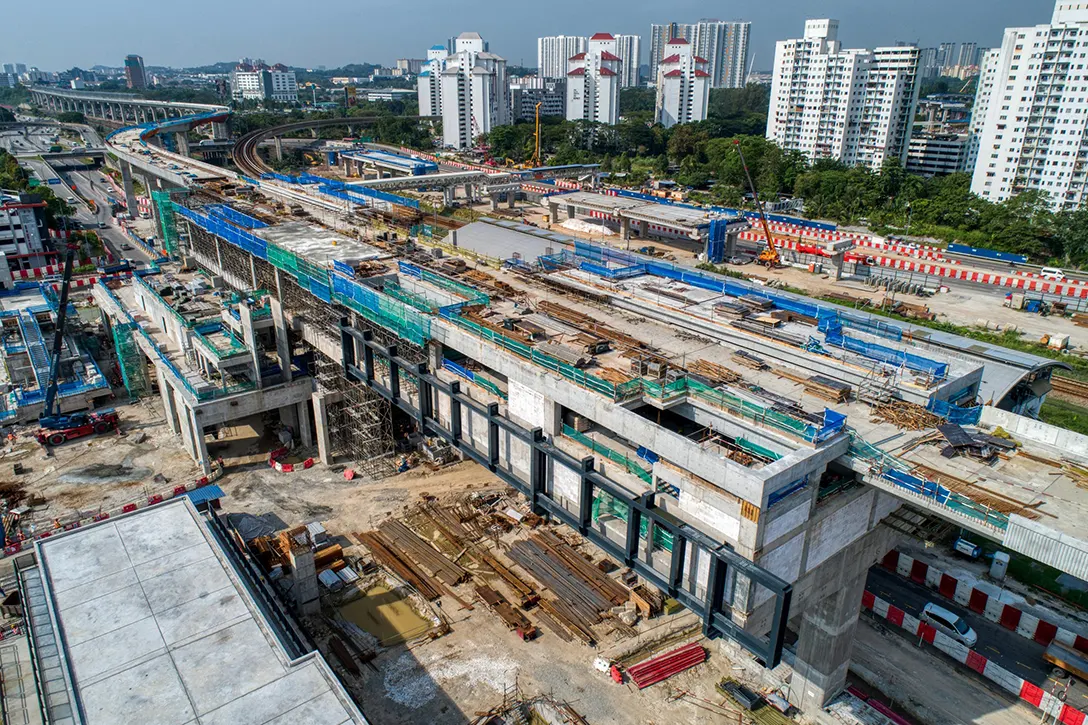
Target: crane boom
[[770, 255], [48, 411]]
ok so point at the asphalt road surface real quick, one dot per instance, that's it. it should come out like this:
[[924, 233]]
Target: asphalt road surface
[[1019, 655], [89, 185]]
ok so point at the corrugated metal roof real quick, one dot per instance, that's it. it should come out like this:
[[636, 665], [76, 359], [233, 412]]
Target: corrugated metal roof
[[204, 494]]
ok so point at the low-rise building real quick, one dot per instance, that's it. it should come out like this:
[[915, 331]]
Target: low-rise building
[[261, 82], [937, 154], [525, 93], [22, 234]]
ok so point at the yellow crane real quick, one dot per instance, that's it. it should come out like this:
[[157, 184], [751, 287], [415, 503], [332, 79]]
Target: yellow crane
[[536, 137], [768, 256]]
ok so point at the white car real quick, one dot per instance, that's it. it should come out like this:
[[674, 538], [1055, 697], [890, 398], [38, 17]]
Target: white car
[[1052, 273], [949, 623]]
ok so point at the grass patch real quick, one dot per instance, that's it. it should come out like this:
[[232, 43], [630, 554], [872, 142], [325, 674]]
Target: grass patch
[[1065, 415], [1036, 574]]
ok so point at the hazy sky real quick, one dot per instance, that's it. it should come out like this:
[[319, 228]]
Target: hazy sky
[[336, 32]]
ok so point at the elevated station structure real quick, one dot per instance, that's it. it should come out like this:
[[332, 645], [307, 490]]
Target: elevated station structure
[[734, 491]]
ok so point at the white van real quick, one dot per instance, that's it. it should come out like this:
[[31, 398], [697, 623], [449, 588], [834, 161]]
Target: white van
[[949, 623], [1052, 273]]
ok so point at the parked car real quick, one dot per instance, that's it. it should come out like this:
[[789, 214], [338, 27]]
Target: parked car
[[949, 623]]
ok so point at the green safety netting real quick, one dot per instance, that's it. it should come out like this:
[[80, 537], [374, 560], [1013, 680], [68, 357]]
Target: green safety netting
[[605, 504], [633, 466], [130, 360], [167, 223]]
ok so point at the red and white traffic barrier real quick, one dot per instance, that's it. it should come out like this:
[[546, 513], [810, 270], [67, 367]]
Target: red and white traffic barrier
[[1026, 691], [275, 462], [1008, 616], [14, 547]]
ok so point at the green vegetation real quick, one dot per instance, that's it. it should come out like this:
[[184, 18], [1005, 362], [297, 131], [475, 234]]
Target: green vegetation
[[71, 117], [1063, 414], [16, 178], [1036, 574], [14, 96]]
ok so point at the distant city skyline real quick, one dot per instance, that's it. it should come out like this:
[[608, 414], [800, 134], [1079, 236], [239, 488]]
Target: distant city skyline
[[71, 36]]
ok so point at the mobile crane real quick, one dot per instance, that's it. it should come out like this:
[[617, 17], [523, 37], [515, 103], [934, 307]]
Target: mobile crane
[[769, 257], [57, 427]]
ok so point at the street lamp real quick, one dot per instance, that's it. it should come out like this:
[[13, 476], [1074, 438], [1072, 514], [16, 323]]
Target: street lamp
[[910, 213]]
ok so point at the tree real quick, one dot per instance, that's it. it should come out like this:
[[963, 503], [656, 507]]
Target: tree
[[71, 117]]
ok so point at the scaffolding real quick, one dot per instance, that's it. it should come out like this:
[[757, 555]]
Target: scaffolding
[[130, 359], [164, 204], [360, 423]]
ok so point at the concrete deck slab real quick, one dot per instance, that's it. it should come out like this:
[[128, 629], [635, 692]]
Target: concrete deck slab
[[158, 629]]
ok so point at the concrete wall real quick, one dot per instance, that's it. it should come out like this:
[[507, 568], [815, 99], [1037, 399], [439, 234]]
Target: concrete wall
[[1070, 444]]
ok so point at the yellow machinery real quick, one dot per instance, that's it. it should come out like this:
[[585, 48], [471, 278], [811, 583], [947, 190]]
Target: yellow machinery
[[769, 257], [536, 138]]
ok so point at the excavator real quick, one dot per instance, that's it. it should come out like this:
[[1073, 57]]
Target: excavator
[[768, 257], [57, 427]]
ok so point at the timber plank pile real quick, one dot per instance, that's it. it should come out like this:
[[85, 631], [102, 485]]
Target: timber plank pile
[[714, 372], [583, 322], [818, 386]]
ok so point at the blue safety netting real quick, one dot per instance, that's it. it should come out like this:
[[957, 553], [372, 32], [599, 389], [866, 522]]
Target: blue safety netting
[[233, 215], [834, 336], [956, 413]]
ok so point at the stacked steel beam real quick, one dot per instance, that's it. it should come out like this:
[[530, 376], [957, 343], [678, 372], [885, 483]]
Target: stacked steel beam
[[664, 666]]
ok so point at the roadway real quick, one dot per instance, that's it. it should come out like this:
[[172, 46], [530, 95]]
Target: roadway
[[89, 185], [1019, 655]]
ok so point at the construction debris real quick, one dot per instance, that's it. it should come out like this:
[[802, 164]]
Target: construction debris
[[902, 414]]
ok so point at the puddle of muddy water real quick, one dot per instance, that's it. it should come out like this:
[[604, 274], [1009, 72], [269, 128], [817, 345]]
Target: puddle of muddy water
[[106, 473], [386, 615]]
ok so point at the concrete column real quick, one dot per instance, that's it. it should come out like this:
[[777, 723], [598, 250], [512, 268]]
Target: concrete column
[[470, 194], [494, 202], [435, 354], [167, 395], [625, 227], [221, 130], [185, 422], [289, 418], [837, 262], [447, 196], [245, 315], [126, 183], [200, 445], [321, 423], [731, 244], [182, 139], [511, 198], [823, 645], [278, 141], [305, 434], [570, 211], [553, 212], [283, 347]]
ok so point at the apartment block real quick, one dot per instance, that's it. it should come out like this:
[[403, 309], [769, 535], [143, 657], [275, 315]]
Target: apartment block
[[1027, 128], [853, 105], [723, 44], [525, 93], [552, 53], [683, 85], [593, 82], [629, 48], [474, 93], [263, 83], [429, 81]]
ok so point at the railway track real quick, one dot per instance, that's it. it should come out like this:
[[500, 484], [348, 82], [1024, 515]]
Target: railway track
[[1069, 389]]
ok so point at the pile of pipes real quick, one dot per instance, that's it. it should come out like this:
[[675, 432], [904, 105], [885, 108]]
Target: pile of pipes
[[662, 667]]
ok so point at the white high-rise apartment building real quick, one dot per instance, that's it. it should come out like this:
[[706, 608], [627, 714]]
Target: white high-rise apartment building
[[629, 48], [1028, 129], [683, 85], [429, 81], [593, 82], [723, 44], [854, 105], [475, 92], [553, 51]]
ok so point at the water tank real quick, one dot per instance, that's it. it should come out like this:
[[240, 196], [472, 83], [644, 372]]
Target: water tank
[[999, 566]]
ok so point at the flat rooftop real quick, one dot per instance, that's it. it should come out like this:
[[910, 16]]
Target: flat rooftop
[[679, 217], [157, 628], [318, 244]]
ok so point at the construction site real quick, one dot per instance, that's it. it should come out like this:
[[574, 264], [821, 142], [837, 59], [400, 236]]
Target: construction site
[[504, 474]]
